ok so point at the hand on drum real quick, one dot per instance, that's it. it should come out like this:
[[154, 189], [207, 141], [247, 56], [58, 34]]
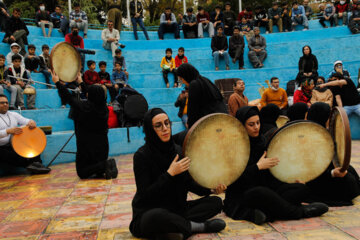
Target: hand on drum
[[31, 124], [266, 163], [337, 173], [178, 167], [14, 131], [221, 188], [54, 77], [79, 78]]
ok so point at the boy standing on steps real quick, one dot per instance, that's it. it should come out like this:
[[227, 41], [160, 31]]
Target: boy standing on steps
[[168, 65]]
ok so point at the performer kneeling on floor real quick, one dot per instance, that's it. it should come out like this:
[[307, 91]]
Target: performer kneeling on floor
[[333, 187], [91, 129], [160, 209], [9, 125], [256, 195]]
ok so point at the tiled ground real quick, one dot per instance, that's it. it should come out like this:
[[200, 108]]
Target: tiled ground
[[59, 206]]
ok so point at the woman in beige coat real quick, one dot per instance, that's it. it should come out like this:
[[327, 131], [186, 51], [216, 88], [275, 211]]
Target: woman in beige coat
[[322, 94]]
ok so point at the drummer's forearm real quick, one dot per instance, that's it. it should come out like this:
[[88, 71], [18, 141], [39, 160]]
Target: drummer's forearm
[[4, 133]]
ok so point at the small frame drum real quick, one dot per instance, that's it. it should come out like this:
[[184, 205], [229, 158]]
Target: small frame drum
[[281, 121], [305, 150], [219, 148], [30, 143], [65, 61], [340, 132]]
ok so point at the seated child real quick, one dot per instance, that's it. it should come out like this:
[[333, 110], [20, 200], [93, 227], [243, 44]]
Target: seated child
[[118, 78], [246, 29], [121, 60], [45, 65], [91, 76], [168, 65], [105, 80]]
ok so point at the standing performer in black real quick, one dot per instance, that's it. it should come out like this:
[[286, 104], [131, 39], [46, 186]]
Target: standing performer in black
[[91, 129], [160, 209]]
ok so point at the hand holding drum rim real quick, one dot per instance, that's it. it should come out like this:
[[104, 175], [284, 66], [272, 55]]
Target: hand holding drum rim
[[221, 188], [178, 167], [31, 124], [337, 173], [266, 163], [14, 131]]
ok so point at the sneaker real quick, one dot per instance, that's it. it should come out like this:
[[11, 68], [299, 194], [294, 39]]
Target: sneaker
[[315, 209], [38, 168], [214, 225]]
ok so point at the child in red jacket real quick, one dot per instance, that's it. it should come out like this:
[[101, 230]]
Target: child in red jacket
[[90, 76], [180, 58]]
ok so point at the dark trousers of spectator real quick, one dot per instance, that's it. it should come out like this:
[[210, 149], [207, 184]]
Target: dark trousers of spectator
[[259, 23], [188, 29], [322, 21], [47, 75], [354, 26], [239, 55], [64, 26], [113, 92], [159, 221], [165, 28], [257, 58], [165, 75], [21, 39], [229, 30], [3, 20], [135, 22], [286, 21], [11, 158], [277, 22]]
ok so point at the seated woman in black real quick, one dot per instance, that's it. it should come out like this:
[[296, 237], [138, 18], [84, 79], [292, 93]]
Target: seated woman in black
[[160, 209], [333, 187], [91, 129], [297, 111], [308, 66], [255, 196], [268, 115]]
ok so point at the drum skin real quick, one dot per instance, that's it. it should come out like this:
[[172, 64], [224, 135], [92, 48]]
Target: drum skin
[[281, 121], [219, 148], [340, 131], [305, 150], [65, 61], [30, 143]]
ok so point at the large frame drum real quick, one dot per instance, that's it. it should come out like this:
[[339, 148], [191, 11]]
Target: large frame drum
[[305, 150], [219, 148], [30, 143]]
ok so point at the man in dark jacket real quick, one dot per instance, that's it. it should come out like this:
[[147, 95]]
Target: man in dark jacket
[[229, 19], [261, 18], [257, 52], [42, 19], [219, 46], [275, 17], [4, 15], [354, 22], [16, 31], [189, 24], [136, 13], [60, 21], [236, 47], [217, 17]]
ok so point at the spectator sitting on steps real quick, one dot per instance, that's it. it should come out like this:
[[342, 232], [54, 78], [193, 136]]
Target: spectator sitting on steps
[[236, 47], [219, 46], [354, 21], [110, 37], [298, 16], [79, 19], [204, 23], [43, 19], [60, 21], [168, 24], [257, 46], [189, 24], [168, 66], [329, 13], [32, 62], [14, 49]]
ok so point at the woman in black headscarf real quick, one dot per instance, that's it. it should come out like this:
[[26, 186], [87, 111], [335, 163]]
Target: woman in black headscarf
[[91, 129], [308, 66], [255, 196], [268, 115], [297, 111], [204, 97], [159, 206], [333, 187]]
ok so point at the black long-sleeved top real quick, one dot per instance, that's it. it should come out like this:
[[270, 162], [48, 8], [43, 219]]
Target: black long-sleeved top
[[181, 104], [229, 18], [309, 64], [220, 17], [156, 188], [139, 8], [219, 43], [234, 43], [15, 24], [32, 63], [42, 16]]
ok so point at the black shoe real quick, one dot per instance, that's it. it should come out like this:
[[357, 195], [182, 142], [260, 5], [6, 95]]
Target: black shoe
[[38, 168], [256, 216], [111, 169], [170, 236], [315, 209], [214, 225], [122, 46]]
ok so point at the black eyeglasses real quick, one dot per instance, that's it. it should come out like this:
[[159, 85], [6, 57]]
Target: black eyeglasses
[[159, 126]]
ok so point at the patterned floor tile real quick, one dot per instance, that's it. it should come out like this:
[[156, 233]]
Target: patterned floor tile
[[91, 191], [34, 237], [347, 218], [115, 208], [80, 210], [14, 196], [42, 203], [6, 184], [121, 196], [10, 205], [110, 234], [319, 234], [63, 180], [265, 236], [93, 183], [54, 186], [4, 214], [52, 193], [22, 229], [32, 214], [121, 220], [74, 224], [77, 200], [299, 225], [90, 235], [239, 228], [16, 189]]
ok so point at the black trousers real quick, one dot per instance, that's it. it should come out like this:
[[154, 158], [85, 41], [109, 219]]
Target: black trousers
[[165, 75], [229, 30], [260, 23], [11, 158], [322, 21], [268, 201], [161, 221], [354, 26], [239, 55], [187, 29], [287, 23]]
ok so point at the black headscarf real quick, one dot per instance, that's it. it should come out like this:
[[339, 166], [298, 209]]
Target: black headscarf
[[163, 151], [244, 113], [97, 100], [268, 116], [189, 73], [319, 112], [297, 111]]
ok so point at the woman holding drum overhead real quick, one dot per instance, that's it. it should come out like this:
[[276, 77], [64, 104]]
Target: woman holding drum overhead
[[91, 129], [160, 208], [256, 196], [333, 187]]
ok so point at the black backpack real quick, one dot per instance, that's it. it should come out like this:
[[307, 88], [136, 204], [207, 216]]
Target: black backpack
[[290, 88], [130, 107]]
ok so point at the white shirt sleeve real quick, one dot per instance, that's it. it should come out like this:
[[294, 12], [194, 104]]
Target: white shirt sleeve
[[20, 119], [3, 133]]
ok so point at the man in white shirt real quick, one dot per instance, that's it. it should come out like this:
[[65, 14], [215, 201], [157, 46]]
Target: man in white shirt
[[111, 37], [9, 125]]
